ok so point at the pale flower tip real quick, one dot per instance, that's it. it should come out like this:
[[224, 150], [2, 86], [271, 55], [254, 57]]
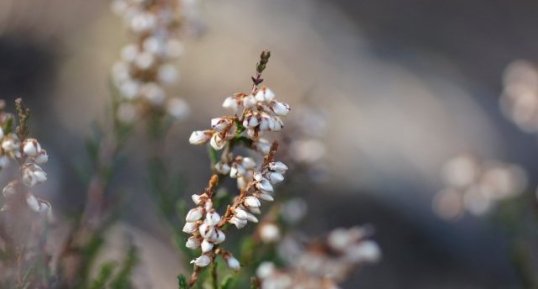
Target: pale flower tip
[[194, 214], [252, 202], [218, 237], [249, 101], [206, 246], [237, 222], [217, 142], [199, 137], [212, 218], [366, 251], [196, 199], [192, 243], [280, 108], [189, 228], [31, 147], [266, 197], [33, 203], [230, 103], [233, 263], [201, 261]]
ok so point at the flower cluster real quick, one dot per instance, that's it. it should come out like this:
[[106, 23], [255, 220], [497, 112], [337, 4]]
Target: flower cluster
[[255, 114], [475, 186], [519, 101], [205, 226], [28, 154], [145, 67], [322, 264]]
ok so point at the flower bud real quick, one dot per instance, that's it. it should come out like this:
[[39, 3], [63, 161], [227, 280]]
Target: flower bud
[[201, 261], [194, 214], [280, 108], [250, 121], [233, 263], [190, 227], [248, 163], [278, 167], [197, 199], [264, 95], [276, 178], [192, 243], [218, 237], [206, 230], [206, 246], [239, 223], [230, 103], [249, 101], [265, 197], [365, 251], [212, 218], [252, 202], [264, 185], [31, 147], [252, 218], [200, 137], [42, 157], [222, 168], [217, 142], [32, 175], [263, 145], [220, 124], [240, 213]]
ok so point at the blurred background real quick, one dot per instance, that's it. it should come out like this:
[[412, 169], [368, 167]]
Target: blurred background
[[404, 87]]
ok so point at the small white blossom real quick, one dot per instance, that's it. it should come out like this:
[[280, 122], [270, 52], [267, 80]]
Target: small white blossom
[[280, 108], [217, 142], [206, 246], [190, 227], [233, 263], [212, 218], [202, 261], [192, 243], [31, 147], [199, 137], [32, 175], [231, 103], [237, 222], [194, 214]]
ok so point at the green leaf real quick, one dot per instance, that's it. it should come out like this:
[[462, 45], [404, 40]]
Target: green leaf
[[182, 281], [105, 273], [123, 278], [227, 282], [213, 155]]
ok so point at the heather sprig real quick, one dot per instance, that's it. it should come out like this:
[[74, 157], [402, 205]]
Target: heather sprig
[[24, 218], [254, 115]]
